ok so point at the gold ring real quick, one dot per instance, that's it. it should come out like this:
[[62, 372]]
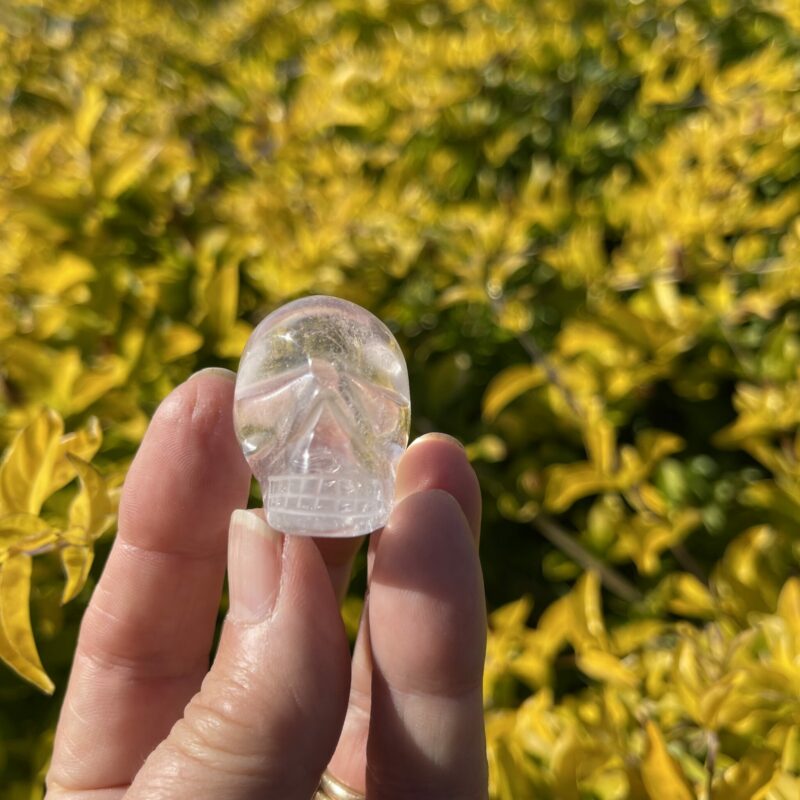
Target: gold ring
[[331, 789]]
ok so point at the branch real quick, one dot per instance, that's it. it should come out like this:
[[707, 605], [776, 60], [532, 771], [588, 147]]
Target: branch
[[538, 356], [572, 548], [711, 761]]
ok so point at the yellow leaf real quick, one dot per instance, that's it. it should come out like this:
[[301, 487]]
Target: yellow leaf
[[655, 445], [508, 385], [689, 682], [532, 667], [92, 106], [488, 448], [223, 299], [650, 498], [789, 604], [790, 757], [556, 623], [512, 616], [688, 596], [129, 169], [83, 443], [575, 759], [25, 532], [49, 317], [77, 561], [632, 635], [589, 630], [461, 293], [91, 510], [234, 340], [56, 277], [17, 645], [26, 471], [569, 482], [601, 445], [48, 374], [749, 778], [508, 779], [605, 668], [515, 316], [92, 384], [351, 610], [176, 341], [661, 773]]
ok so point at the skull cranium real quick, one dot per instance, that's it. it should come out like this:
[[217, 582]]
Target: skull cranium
[[322, 412]]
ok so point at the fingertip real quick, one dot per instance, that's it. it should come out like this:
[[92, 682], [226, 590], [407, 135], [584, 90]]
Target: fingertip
[[203, 406], [438, 461], [214, 372], [189, 460], [437, 436]]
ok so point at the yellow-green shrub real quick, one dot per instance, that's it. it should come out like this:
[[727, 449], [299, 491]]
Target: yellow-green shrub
[[581, 219]]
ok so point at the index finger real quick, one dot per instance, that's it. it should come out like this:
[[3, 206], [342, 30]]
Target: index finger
[[145, 639]]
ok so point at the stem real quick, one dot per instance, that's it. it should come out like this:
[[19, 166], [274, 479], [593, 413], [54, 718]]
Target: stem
[[711, 761], [572, 548], [689, 563], [538, 356]]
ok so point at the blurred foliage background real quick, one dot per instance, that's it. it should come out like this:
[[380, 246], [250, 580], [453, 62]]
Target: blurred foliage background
[[580, 217]]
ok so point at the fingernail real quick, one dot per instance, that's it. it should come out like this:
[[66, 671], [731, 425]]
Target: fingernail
[[219, 372], [254, 566], [436, 436]]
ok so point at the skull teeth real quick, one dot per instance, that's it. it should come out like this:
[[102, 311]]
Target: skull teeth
[[322, 503]]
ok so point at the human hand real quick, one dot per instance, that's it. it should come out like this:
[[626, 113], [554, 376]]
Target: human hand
[[145, 717]]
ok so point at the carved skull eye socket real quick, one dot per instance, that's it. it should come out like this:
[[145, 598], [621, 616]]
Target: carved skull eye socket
[[322, 412]]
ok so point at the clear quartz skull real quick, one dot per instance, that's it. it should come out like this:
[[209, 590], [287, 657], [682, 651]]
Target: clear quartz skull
[[322, 412]]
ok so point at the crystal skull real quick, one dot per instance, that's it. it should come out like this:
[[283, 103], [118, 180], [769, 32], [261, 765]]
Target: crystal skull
[[322, 412]]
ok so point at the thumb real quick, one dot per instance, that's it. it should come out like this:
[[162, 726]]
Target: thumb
[[267, 717]]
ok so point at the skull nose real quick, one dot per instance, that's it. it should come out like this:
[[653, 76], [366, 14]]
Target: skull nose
[[326, 444], [324, 372]]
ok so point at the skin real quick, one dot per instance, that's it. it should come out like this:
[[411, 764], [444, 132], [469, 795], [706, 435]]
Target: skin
[[145, 717]]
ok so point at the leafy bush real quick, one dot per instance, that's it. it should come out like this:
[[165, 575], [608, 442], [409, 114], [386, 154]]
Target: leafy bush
[[581, 219]]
